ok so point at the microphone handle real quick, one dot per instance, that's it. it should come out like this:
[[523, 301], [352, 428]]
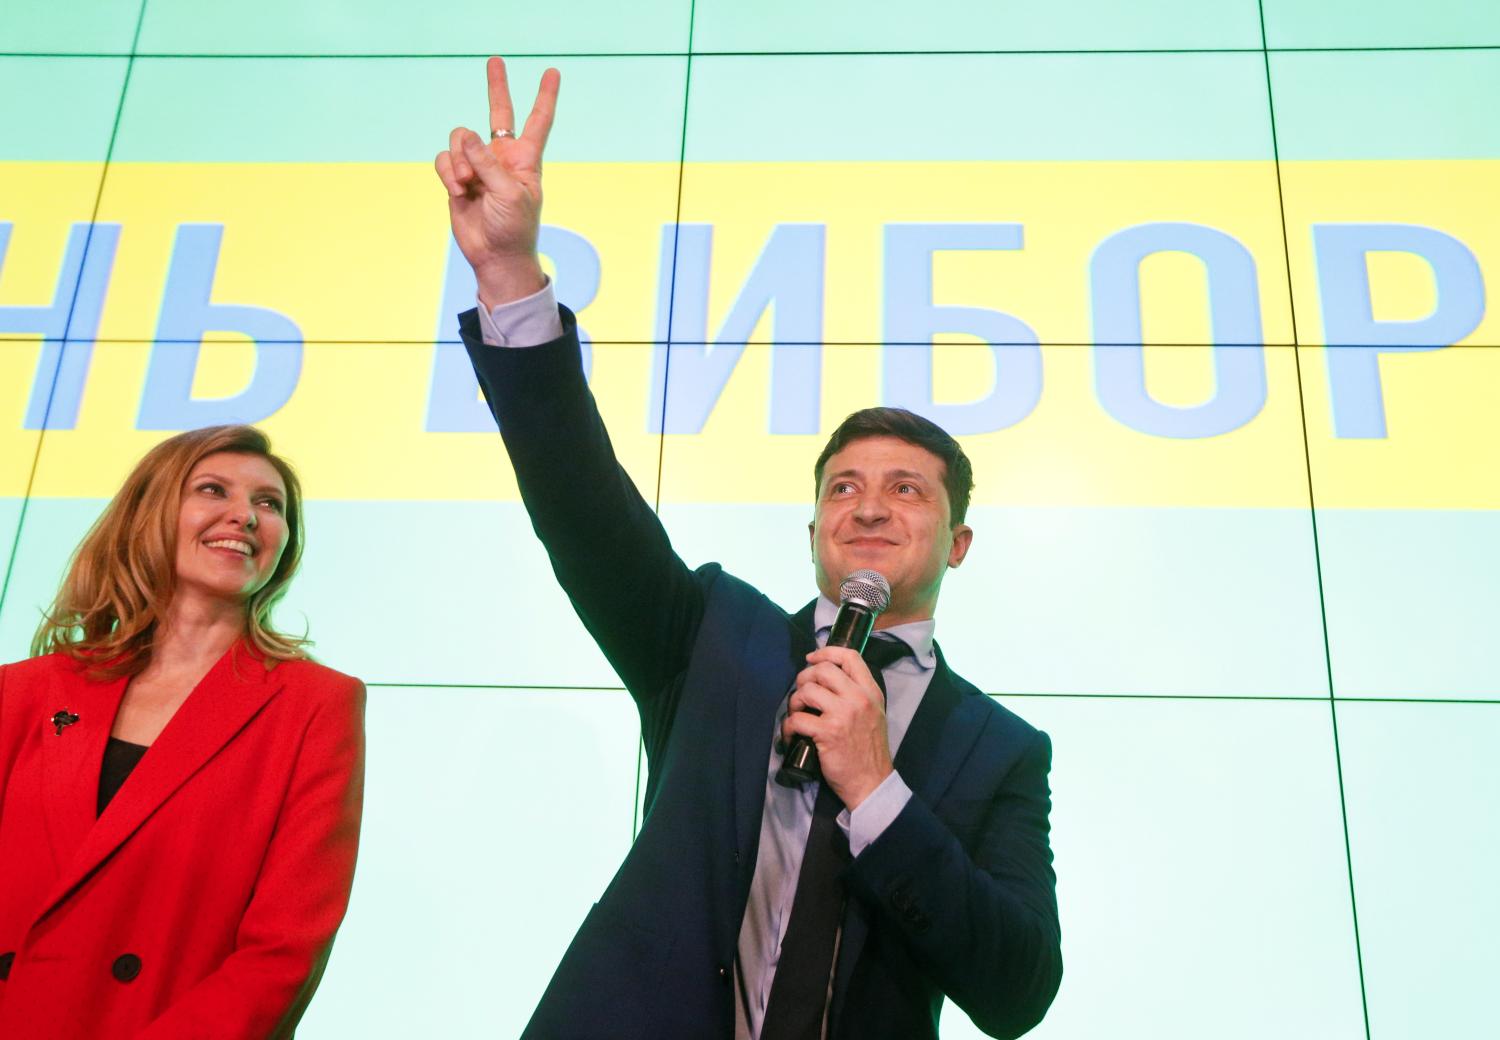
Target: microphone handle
[[851, 628]]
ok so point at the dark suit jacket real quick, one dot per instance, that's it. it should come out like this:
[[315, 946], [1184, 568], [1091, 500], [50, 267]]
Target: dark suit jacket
[[956, 897], [203, 901]]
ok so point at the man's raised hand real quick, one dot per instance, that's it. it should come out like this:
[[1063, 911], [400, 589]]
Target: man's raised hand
[[495, 190]]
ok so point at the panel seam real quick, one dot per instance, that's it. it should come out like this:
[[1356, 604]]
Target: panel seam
[[1312, 513]]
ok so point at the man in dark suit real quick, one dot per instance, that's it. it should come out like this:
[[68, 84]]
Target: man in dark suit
[[920, 866]]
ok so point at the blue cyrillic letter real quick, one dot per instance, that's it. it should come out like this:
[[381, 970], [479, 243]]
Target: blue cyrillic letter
[[1356, 339], [788, 275], [167, 403], [911, 322], [69, 324], [1234, 317]]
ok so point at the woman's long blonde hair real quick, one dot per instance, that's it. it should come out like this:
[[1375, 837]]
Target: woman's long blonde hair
[[123, 574]]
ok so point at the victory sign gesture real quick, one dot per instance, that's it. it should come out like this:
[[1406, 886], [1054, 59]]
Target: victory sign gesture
[[495, 190]]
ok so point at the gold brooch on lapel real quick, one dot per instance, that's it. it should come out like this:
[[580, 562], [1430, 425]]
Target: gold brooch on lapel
[[63, 718]]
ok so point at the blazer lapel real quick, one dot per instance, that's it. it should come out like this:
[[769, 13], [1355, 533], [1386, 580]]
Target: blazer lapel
[[940, 737], [229, 696], [776, 650], [942, 733], [71, 758]]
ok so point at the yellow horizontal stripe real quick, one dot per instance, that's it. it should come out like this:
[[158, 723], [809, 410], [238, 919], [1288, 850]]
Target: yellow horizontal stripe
[[358, 252]]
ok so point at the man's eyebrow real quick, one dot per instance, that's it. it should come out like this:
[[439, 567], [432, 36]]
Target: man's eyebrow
[[890, 474]]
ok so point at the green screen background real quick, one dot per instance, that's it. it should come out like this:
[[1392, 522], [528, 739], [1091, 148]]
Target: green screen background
[[1275, 725]]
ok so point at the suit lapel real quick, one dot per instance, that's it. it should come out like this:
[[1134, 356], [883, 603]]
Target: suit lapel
[[776, 650], [942, 733], [71, 759], [229, 696]]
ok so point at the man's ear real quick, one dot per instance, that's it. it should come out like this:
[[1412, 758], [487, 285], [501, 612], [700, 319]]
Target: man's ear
[[963, 537], [812, 546]]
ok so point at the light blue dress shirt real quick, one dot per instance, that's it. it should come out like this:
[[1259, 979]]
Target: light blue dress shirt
[[788, 814]]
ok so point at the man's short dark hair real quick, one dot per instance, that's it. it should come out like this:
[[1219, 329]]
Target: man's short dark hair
[[958, 473]]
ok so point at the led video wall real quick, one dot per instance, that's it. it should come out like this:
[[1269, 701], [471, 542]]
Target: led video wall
[[1202, 286]]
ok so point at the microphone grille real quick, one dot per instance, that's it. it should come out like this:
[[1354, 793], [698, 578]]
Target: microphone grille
[[867, 588]]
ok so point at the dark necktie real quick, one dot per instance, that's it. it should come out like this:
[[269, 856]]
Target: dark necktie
[[799, 992]]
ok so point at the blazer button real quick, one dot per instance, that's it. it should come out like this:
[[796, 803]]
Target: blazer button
[[6, 960], [723, 974], [900, 895], [126, 967]]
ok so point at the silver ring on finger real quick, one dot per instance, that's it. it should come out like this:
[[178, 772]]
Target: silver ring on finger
[[500, 135]]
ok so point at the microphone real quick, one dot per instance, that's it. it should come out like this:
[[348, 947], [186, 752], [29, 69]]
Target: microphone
[[862, 597]]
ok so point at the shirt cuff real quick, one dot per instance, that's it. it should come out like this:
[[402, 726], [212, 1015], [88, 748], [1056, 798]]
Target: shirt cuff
[[875, 813], [527, 322]]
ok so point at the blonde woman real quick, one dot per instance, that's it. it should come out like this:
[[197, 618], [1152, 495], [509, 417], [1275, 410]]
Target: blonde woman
[[180, 785]]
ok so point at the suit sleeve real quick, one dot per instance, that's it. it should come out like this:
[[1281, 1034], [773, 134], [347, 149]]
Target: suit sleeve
[[609, 551], [286, 934], [983, 925]]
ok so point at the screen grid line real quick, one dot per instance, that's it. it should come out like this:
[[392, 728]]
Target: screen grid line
[[1312, 511], [15, 545]]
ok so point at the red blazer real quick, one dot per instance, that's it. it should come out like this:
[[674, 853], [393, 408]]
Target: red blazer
[[203, 902]]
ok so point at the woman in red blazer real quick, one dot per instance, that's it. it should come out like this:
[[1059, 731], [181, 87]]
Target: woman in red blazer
[[179, 785]]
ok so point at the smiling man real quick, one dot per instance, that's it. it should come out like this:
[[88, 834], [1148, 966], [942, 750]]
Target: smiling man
[[919, 867]]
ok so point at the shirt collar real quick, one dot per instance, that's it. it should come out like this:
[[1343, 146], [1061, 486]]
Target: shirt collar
[[915, 634]]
